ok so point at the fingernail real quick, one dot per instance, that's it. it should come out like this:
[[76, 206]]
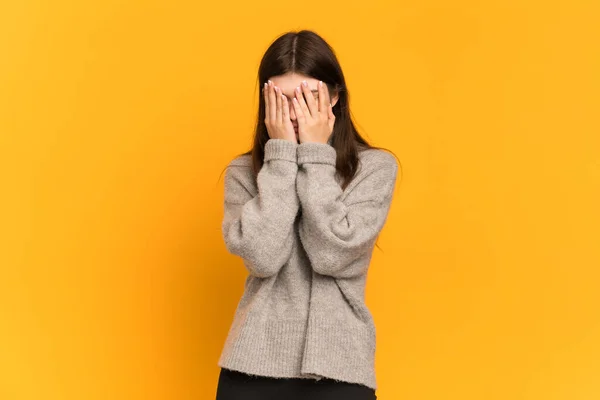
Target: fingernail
[[298, 89], [304, 83], [270, 83], [321, 83]]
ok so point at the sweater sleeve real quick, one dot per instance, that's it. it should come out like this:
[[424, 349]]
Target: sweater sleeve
[[260, 228], [338, 230]]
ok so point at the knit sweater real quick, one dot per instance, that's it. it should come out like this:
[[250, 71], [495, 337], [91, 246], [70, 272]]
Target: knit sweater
[[306, 245]]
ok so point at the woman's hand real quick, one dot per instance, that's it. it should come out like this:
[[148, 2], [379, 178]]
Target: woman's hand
[[315, 118], [277, 114]]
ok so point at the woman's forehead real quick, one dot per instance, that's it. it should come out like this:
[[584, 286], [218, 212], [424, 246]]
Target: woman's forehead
[[291, 81]]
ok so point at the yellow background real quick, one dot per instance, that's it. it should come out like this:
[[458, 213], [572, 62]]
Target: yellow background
[[117, 118]]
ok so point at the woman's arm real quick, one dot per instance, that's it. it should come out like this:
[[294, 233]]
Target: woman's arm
[[260, 228], [335, 233]]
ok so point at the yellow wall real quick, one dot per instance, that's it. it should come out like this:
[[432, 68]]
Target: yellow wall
[[116, 119]]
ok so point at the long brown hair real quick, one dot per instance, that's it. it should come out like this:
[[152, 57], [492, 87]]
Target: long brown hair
[[306, 53]]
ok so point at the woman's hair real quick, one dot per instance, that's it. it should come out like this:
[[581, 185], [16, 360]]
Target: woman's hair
[[307, 53]]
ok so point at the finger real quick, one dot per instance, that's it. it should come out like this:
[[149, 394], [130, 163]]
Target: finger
[[299, 113], [285, 108], [278, 103], [300, 98], [323, 105], [266, 97], [272, 101], [310, 100], [326, 98]]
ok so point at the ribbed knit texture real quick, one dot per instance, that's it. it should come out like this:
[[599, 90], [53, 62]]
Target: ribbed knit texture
[[306, 245]]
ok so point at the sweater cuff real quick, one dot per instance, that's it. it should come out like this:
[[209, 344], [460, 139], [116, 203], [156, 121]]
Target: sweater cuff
[[318, 153], [280, 149]]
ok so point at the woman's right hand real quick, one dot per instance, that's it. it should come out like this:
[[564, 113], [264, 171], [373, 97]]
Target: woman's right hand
[[277, 114]]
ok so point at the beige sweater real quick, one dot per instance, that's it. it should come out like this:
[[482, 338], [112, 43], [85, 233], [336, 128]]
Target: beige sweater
[[306, 246]]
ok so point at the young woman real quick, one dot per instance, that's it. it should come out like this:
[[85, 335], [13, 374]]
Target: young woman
[[303, 209]]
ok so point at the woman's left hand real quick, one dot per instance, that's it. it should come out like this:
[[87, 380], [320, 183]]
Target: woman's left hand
[[315, 117]]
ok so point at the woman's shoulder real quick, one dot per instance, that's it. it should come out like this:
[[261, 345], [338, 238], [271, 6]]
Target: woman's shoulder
[[374, 157], [242, 160]]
